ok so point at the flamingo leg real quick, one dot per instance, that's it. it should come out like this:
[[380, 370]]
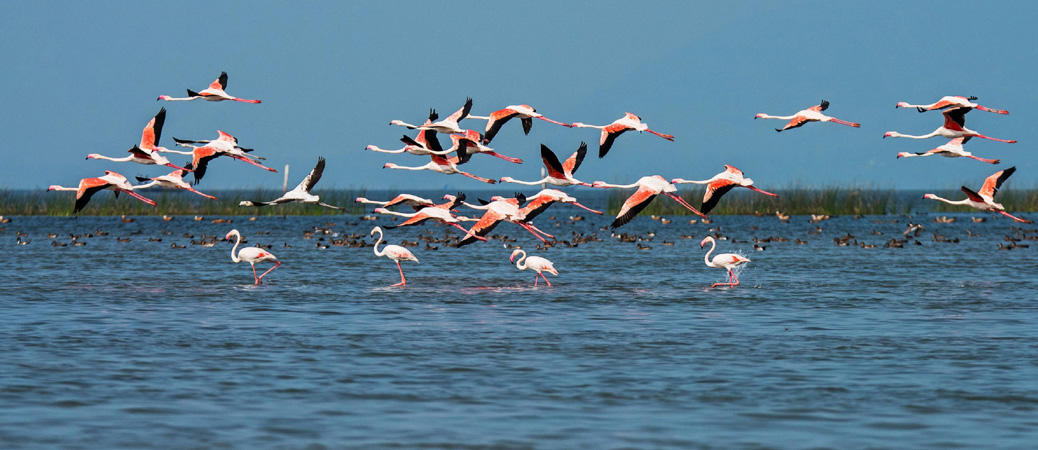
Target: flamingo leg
[[761, 191], [685, 204], [199, 193], [1014, 217], [535, 280], [540, 231], [254, 276], [552, 121], [261, 166], [585, 207], [268, 270], [178, 167], [528, 227], [844, 122], [545, 279], [664, 136], [139, 197], [467, 231], [403, 281], [989, 161], [996, 111], [1008, 141], [734, 280], [506, 158], [485, 180], [246, 100]]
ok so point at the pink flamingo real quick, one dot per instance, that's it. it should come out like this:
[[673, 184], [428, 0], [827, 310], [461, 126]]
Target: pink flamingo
[[727, 261], [251, 255], [952, 149], [395, 253], [545, 198], [984, 199], [90, 186], [648, 189], [447, 125], [534, 263], [500, 209], [954, 127], [951, 101], [446, 166], [403, 199], [559, 173], [720, 184], [424, 143], [214, 93], [172, 180], [473, 142], [525, 113], [812, 114], [610, 132]]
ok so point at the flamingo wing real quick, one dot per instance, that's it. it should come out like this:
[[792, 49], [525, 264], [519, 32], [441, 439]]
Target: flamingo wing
[[973, 195], [714, 192], [497, 120], [220, 83], [484, 226], [820, 107], [993, 183], [798, 121], [527, 124], [609, 134], [955, 119], [461, 113], [200, 160], [634, 205], [571, 165], [551, 162], [153, 130], [536, 206], [414, 220], [313, 177], [87, 188]]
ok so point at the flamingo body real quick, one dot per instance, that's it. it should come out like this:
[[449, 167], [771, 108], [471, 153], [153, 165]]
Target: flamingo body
[[648, 189], [812, 114], [534, 263], [984, 199], [727, 261], [620, 126], [214, 93], [251, 255], [720, 184]]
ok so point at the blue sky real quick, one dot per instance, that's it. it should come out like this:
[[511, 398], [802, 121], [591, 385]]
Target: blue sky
[[82, 78]]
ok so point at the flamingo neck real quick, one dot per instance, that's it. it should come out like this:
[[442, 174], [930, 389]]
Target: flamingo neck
[[965, 201], [706, 258], [234, 251], [521, 263], [379, 241]]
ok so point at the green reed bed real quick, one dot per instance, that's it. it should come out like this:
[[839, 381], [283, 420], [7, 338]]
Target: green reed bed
[[171, 202]]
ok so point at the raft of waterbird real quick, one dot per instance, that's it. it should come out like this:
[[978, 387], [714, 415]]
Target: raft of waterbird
[[518, 208]]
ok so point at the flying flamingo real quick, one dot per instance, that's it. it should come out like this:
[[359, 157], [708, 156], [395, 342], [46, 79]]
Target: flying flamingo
[[610, 132], [525, 113], [953, 149], [720, 184], [423, 144], [951, 101], [534, 263], [439, 213], [500, 209], [726, 261], [648, 189], [394, 252], [559, 174], [214, 93], [201, 156], [139, 156], [545, 198], [301, 193], [225, 144], [473, 142], [173, 180], [252, 255], [447, 166], [90, 186], [984, 199], [448, 125], [403, 199], [812, 114], [954, 127]]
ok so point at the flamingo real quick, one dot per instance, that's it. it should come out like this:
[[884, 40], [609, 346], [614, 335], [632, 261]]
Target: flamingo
[[812, 114], [172, 180], [952, 149], [619, 126], [984, 199], [448, 125], [525, 113], [225, 144], [648, 189], [500, 209], [954, 127], [403, 199], [394, 252], [473, 142], [423, 144], [439, 213], [545, 198], [90, 186], [534, 263], [301, 193], [214, 93], [559, 174], [139, 156], [447, 166], [951, 101], [251, 255], [726, 261], [200, 157], [720, 184]]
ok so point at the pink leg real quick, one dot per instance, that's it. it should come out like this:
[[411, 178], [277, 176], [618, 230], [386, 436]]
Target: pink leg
[[199, 193], [467, 232], [585, 207], [140, 197], [552, 121], [539, 231], [997, 111], [485, 180], [1014, 217], [844, 122], [989, 161], [256, 277], [664, 136], [995, 139], [268, 270], [545, 279], [246, 101], [733, 279], [535, 280], [682, 201], [506, 158], [261, 166], [527, 228], [762, 192], [403, 281], [178, 167]]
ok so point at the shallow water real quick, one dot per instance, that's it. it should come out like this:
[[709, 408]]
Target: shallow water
[[140, 345]]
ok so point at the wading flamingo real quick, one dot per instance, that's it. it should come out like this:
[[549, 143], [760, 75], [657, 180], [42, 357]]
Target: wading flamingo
[[726, 261], [648, 189], [954, 127], [951, 101], [984, 199], [446, 166], [610, 132], [720, 184], [395, 253], [534, 263], [251, 255], [301, 193], [525, 113], [214, 93], [90, 186], [172, 180], [559, 173], [812, 114], [953, 149]]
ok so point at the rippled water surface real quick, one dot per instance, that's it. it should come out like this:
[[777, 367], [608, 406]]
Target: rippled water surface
[[140, 345]]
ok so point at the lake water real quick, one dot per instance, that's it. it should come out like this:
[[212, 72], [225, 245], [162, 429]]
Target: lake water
[[140, 345]]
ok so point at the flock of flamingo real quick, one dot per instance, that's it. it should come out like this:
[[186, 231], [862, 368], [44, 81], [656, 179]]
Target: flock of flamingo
[[518, 209]]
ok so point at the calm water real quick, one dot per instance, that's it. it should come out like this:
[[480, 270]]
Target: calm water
[[140, 345]]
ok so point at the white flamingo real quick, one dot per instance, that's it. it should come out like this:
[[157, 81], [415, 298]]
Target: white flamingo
[[534, 263], [727, 261], [395, 253], [251, 255]]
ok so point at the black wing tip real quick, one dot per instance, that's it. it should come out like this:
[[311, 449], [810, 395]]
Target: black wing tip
[[824, 104]]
